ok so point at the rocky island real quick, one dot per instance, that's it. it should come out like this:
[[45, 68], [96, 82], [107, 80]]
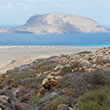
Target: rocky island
[[56, 23], [79, 81]]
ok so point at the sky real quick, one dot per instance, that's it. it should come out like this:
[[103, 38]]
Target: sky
[[16, 12]]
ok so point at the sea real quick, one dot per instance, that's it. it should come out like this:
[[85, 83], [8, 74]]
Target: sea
[[77, 39]]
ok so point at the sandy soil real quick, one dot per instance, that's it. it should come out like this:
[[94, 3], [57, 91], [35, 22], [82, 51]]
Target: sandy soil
[[14, 56]]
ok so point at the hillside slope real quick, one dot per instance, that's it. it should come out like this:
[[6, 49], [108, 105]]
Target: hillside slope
[[67, 82]]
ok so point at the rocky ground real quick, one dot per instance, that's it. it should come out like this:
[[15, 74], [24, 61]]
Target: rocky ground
[[15, 56], [67, 82]]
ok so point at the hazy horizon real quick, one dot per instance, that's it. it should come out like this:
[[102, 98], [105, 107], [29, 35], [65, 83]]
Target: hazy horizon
[[17, 12]]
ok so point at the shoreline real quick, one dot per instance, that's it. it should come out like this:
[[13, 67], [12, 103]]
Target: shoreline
[[8, 46], [14, 56]]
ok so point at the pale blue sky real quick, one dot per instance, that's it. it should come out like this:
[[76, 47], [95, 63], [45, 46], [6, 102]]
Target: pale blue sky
[[18, 11]]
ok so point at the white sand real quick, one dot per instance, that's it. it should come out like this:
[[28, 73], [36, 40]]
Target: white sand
[[14, 56]]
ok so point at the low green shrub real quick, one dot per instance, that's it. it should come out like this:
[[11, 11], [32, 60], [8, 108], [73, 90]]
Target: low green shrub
[[6, 92], [53, 104], [98, 78], [96, 100], [35, 99], [91, 81], [65, 70], [66, 85]]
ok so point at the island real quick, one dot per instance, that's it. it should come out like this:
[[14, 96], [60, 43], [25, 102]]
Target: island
[[56, 23]]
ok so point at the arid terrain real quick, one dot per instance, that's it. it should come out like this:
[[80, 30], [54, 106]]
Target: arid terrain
[[78, 81], [14, 56]]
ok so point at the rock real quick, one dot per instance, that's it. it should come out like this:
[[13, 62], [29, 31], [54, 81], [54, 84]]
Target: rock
[[57, 68], [43, 101], [19, 92], [47, 98], [84, 63], [57, 23], [7, 103], [23, 68], [94, 65], [58, 77], [98, 67], [64, 107], [49, 81], [105, 59]]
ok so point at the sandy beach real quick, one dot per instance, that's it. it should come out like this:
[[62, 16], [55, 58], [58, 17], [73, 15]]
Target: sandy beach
[[14, 56]]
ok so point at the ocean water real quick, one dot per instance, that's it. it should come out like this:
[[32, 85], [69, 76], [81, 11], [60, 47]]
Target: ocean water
[[91, 39]]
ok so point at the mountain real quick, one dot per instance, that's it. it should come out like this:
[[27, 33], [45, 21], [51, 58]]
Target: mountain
[[57, 23]]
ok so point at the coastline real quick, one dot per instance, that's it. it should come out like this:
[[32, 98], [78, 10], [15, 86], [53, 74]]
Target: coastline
[[14, 56]]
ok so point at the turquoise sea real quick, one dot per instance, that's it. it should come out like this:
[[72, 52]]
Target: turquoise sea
[[96, 39]]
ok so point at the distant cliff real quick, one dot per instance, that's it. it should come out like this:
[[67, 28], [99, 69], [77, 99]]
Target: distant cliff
[[57, 23]]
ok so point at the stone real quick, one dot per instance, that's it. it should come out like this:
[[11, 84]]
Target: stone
[[23, 68], [94, 65], [47, 98], [6, 103], [49, 81], [57, 68], [84, 63], [98, 67], [43, 101], [64, 107]]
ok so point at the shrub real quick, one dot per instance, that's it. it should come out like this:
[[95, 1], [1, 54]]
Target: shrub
[[6, 92], [46, 66], [66, 86], [91, 81], [53, 104], [65, 70], [35, 99], [96, 100], [98, 78]]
